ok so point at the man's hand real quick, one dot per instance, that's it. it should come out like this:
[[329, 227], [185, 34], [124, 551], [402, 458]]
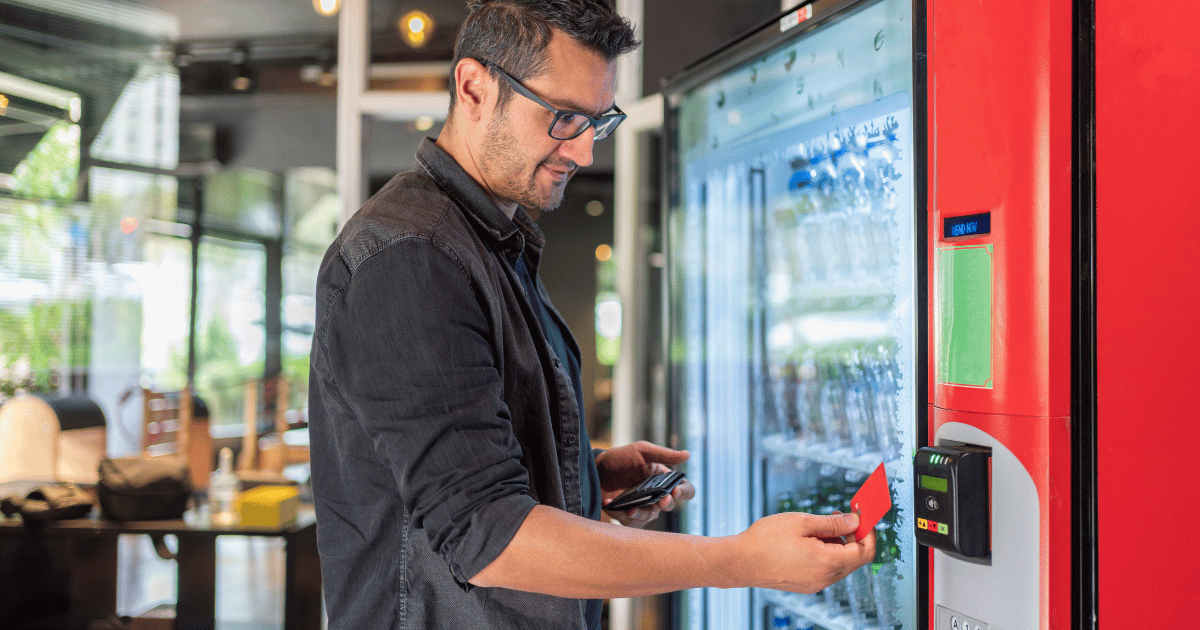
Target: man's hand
[[624, 466], [803, 553]]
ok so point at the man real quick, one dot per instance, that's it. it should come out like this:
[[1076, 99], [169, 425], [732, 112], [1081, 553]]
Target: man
[[452, 475]]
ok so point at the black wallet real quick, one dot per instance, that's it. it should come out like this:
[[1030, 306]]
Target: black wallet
[[650, 490]]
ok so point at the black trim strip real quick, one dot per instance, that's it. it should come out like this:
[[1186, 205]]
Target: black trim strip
[[1084, 575], [921, 211]]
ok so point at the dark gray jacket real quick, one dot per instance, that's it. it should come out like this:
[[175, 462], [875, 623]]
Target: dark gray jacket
[[438, 417]]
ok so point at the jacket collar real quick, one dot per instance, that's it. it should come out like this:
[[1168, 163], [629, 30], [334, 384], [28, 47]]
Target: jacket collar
[[511, 235]]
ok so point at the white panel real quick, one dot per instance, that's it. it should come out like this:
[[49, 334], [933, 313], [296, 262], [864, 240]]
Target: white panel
[[353, 40], [1005, 593], [404, 105]]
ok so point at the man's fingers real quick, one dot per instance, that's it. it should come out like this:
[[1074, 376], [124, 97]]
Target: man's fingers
[[639, 517]]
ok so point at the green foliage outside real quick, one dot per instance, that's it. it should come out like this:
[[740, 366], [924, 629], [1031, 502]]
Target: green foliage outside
[[221, 378], [51, 170], [37, 342]]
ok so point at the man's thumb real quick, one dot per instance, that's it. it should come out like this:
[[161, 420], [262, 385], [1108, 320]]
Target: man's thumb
[[664, 455], [836, 525]]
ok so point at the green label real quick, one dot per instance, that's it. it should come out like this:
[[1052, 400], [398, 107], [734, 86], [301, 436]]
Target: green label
[[964, 302]]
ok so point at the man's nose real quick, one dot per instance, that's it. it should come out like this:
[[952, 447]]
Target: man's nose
[[579, 148]]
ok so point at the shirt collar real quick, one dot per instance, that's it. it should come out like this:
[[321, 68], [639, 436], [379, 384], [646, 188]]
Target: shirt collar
[[511, 234]]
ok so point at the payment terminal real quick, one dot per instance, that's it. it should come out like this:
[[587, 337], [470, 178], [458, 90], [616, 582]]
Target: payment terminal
[[953, 497]]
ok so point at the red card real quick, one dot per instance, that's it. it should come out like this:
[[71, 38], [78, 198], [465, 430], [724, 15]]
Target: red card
[[872, 501]]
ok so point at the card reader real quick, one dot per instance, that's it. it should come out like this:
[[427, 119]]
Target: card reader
[[953, 497]]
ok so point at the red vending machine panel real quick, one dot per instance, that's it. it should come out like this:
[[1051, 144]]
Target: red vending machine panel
[[1000, 237], [1147, 304]]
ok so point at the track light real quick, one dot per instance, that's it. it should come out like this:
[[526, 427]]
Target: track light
[[416, 26], [3, 104], [240, 58]]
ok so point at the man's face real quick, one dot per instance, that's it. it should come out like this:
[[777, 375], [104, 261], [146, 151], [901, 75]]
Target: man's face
[[518, 159]]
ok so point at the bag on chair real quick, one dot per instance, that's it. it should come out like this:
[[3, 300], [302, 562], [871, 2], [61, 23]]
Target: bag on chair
[[144, 488]]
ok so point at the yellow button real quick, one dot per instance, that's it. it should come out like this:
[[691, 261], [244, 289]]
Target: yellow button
[[922, 523]]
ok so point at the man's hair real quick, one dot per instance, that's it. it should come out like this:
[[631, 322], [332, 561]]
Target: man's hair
[[514, 34]]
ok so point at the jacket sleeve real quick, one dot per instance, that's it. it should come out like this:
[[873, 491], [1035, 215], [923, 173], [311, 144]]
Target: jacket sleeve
[[412, 351]]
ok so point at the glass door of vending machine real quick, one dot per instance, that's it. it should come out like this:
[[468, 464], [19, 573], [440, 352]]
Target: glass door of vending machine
[[792, 296]]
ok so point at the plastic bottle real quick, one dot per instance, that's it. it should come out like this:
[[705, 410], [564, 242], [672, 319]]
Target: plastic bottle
[[808, 388], [223, 489], [781, 619]]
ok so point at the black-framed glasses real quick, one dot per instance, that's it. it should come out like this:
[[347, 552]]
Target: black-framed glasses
[[566, 124]]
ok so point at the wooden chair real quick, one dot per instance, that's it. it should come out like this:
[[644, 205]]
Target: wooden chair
[[169, 427], [264, 455]]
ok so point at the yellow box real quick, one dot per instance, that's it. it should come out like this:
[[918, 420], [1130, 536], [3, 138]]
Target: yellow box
[[268, 506]]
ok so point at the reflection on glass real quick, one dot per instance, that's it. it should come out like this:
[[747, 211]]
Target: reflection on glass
[[151, 96], [245, 201], [230, 334], [311, 214]]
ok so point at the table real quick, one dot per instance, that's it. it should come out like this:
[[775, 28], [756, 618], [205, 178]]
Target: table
[[91, 549]]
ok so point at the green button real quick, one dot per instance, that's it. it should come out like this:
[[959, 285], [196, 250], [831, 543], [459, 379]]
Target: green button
[[943, 529]]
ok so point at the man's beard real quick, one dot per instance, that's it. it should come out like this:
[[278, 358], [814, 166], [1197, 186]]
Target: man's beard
[[500, 152]]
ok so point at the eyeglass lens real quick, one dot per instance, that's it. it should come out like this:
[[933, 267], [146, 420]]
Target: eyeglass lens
[[567, 125]]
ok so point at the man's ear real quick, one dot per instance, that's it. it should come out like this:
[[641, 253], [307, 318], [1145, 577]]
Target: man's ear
[[475, 88]]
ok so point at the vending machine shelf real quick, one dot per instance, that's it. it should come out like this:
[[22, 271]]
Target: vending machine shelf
[[778, 445], [818, 611]]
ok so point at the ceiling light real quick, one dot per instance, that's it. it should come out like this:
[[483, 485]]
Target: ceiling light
[[326, 7], [3, 104], [416, 26], [424, 123], [240, 58]]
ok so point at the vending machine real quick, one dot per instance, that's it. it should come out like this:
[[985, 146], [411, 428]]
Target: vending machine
[[954, 238], [881, 248], [796, 295]]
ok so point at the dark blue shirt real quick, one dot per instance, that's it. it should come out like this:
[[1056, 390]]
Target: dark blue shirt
[[440, 411], [556, 332]]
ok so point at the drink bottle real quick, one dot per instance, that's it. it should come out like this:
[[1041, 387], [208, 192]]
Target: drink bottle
[[223, 489]]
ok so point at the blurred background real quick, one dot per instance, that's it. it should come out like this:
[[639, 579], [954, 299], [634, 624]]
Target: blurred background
[[168, 186]]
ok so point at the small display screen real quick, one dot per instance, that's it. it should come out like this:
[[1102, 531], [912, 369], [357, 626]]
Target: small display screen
[[967, 226], [934, 483]]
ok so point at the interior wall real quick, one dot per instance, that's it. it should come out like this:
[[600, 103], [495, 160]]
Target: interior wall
[[680, 32], [277, 132]]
